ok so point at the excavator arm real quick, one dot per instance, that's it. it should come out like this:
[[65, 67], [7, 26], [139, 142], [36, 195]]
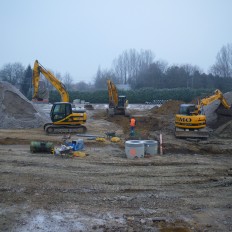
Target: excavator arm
[[38, 68], [35, 79], [117, 104], [113, 94], [218, 95]]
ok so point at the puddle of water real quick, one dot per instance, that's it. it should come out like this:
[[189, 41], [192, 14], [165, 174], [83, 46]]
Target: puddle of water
[[42, 221]]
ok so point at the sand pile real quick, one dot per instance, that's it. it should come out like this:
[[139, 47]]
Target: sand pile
[[169, 107], [16, 111]]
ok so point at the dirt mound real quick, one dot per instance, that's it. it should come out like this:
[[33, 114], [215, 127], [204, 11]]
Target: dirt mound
[[169, 107], [225, 130], [162, 119], [16, 111], [156, 119]]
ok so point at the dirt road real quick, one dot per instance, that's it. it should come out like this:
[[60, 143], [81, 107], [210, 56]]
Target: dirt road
[[178, 191], [107, 192]]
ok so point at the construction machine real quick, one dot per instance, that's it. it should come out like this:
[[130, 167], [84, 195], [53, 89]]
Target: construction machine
[[65, 118], [117, 104], [190, 122]]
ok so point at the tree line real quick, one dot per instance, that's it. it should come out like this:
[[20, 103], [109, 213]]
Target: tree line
[[138, 69], [141, 70], [138, 95]]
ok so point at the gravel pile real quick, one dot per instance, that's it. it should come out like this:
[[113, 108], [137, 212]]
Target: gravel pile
[[16, 111]]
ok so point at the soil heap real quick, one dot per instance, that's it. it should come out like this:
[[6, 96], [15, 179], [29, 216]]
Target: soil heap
[[169, 107], [16, 111]]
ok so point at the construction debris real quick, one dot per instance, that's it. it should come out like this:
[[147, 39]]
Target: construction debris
[[79, 154], [100, 139], [115, 139], [63, 151]]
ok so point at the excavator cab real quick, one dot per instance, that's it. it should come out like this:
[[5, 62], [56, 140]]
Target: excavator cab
[[188, 109], [60, 110], [63, 113], [65, 119], [122, 101]]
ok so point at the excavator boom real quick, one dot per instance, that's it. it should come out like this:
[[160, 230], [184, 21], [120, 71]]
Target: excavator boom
[[113, 94], [218, 95], [117, 104], [38, 68]]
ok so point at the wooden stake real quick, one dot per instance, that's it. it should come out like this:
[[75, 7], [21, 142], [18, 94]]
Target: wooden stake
[[161, 144]]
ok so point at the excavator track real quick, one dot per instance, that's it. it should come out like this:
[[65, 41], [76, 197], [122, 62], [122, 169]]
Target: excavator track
[[191, 134], [60, 129]]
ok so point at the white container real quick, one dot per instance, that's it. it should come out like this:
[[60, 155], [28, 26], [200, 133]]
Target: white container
[[150, 147], [134, 149]]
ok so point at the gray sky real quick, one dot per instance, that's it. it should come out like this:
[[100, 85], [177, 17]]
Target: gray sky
[[77, 36]]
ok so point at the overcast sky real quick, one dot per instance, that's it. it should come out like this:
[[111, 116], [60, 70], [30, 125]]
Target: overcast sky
[[78, 36]]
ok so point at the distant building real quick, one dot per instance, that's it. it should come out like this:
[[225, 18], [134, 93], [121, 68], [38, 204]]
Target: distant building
[[123, 87]]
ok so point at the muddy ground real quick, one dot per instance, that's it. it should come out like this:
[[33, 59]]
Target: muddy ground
[[188, 188]]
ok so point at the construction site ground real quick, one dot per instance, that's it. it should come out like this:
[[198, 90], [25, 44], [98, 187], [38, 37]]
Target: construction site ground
[[187, 188]]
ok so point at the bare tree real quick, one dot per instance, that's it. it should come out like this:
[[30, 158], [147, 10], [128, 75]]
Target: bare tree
[[130, 63], [67, 81], [150, 75], [223, 64], [120, 69], [100, 81], [190, 71], [13, 73], [146, 57]]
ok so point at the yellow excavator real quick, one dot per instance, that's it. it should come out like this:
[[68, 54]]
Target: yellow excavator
[[64, 117], [190, 122], [117, 104]]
